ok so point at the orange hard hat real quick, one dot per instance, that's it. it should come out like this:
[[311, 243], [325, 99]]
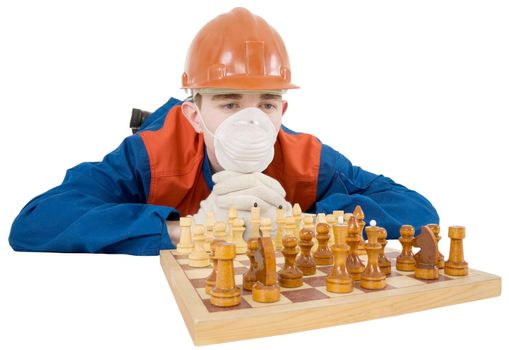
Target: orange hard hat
[[237, 50]]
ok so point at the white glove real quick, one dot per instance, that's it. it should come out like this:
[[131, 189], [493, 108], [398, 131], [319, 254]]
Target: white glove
[[241, 191]]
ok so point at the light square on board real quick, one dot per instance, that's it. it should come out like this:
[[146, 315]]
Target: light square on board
[[404, 281], [249, 299], [198, 273]]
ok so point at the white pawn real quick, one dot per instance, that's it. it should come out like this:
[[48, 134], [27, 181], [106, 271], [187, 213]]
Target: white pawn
[[220, 230], [331, 221], [321, 218], [297, 216], [290, 226], [185, 246], [309, 225], [238, 239], [210, 230], [199, 257], [232, 215]]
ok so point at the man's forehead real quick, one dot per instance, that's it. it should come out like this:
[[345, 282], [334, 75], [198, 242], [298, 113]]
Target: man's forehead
[[230, 96]]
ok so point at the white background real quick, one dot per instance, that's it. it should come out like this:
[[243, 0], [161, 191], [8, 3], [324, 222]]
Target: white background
[[417, 91]]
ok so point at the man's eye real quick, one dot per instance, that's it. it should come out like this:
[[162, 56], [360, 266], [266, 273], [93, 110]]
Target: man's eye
[[230, 105], [269, 106]]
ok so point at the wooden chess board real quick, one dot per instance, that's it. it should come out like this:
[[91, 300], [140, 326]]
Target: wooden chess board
[[310, 306]]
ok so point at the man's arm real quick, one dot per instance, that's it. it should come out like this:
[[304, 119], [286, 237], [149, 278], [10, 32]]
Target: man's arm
[[99, 208], [343, 186]]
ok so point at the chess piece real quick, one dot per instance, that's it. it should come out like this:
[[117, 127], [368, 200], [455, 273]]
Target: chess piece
[[346, 218], [383, 262], [297, 217], [211, 280], [305, 261], [185, 246], [220, 231], [406, 261], [331, 221], [198, 256], [225, 293], [339, 280], [359, 215], [266, 289], [321, 217], [290, 226], [354, 265], [238, 239], [373, 278], [265, 228], [323, 255], [249, 278], [290, 276], [255, 221], [232, 215], [435, 228], [280, 222], [338, 214], [456, 265], [427, 258], [308, 224], [209, 234]]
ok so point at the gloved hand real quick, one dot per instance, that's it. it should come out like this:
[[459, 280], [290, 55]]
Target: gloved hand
[[241, 191]]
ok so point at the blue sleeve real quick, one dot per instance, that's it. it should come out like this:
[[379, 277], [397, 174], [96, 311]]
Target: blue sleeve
[[342, 186], [99, 208]]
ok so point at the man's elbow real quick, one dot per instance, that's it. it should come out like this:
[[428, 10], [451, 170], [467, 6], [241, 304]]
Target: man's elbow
[[29, 232], [19, 238]]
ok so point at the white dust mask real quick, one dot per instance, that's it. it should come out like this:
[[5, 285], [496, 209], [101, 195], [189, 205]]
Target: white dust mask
[[244, 142]]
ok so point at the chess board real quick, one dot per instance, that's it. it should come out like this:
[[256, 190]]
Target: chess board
[[310, 306]]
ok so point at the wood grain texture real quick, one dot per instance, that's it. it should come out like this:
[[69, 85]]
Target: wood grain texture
[[311, 306]]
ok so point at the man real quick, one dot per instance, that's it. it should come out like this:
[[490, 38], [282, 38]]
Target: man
[[224, 147]]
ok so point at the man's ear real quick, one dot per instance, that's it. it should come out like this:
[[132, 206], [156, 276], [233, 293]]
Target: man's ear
[[284, 106], [191, 113]]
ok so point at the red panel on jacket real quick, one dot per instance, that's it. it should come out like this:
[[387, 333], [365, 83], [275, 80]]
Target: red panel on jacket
[[176, 154], [296, 165]]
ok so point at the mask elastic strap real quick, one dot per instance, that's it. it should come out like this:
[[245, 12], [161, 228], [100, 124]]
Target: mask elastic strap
[[203, 123]]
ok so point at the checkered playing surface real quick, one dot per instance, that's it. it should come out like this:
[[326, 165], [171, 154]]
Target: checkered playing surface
[[312, 289]]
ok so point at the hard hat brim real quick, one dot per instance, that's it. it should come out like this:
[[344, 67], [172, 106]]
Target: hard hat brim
[[244, 82]]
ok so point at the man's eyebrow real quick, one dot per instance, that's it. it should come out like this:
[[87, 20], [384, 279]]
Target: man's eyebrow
[[265, 97], [270, 97], [226, 97]]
